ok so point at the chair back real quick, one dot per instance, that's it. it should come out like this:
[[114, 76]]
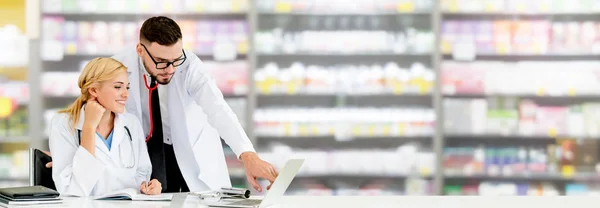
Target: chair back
[[38, 173]]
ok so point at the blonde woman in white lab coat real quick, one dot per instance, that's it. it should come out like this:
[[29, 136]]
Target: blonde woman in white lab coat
[[97, 147]]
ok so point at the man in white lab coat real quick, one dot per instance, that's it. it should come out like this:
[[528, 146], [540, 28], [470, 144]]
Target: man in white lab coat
[[184, 114]]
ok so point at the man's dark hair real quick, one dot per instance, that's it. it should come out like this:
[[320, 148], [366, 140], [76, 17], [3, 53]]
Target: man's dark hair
[[161, 29]]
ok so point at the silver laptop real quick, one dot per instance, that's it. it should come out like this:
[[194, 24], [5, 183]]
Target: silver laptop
[[283, 180]]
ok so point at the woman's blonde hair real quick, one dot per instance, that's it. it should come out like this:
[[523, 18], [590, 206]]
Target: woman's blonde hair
[[95, 72]]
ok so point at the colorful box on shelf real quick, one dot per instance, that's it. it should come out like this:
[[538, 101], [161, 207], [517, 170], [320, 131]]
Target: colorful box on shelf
[[17, 91], [344, 79], [523, 37], [231, 77], [15, 126], [550, 78], [476, 116], [14, 165], [495, 188], [139, 7], [103, 38], [409, 160], [348, 6], [60, 84], [14, 52], [521, 7], [344, 123], [345, 41], [564, 160]]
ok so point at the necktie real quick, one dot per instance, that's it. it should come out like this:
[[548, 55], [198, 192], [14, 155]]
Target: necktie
[[156, 144]]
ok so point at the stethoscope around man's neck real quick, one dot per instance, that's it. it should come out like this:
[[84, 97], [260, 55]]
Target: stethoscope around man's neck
[[150, 89]]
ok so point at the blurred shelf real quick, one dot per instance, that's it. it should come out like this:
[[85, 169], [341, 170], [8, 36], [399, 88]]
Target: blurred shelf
[[531, 57], [403, 60], [336, 13], [234, 96], [448, 14], [94, 55], [538, 99], [467, 95], [330, 142], [528, 177], [515, 136], [342, 94], [16, 179], [457, 140], [332, 100], [63, 101], [14, 139], [359, 176], [51, 102], [333, 54], [122, 16], [72, 62], [210, 57]]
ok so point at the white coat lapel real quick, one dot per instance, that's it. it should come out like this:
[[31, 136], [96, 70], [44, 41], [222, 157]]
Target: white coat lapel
[[133, 102], [119, 136], [176, 110]]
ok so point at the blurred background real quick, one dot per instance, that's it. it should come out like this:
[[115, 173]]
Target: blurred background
[[382, 97]]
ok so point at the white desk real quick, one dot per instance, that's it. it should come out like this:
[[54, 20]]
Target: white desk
[[183, 200]]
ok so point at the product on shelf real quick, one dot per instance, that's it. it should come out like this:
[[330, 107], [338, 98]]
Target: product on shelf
[[231, 77], [580, 189], [504, 116], [521, 37], [144, 6], [521, 78], [567, 158], [60, 84], [223, 39], [377, 187], [344, 6], [344, 79], [408, 159], [16, 124], [521, 7], [493, 188], [345, 41], [15, 47], [344, 123], [17, 91], [14, 165]]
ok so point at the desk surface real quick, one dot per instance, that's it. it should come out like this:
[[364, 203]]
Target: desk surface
[[184, 200]]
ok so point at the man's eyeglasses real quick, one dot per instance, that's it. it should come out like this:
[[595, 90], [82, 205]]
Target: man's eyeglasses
[[164, 65]]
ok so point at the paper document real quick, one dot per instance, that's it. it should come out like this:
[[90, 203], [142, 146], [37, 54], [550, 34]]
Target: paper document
[[135, 195]]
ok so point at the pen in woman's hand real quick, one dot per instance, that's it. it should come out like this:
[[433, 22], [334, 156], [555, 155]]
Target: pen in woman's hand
[[144, 187]]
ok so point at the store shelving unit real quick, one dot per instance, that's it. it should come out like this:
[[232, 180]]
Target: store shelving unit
[[290, 42], [543, 22], [14, 94], [283, 44]]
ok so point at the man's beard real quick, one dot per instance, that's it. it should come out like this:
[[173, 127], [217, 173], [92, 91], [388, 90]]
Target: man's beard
[[164, 82], [155, 77]]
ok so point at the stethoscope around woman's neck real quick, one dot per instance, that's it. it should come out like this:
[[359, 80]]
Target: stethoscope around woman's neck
[[150, 90]]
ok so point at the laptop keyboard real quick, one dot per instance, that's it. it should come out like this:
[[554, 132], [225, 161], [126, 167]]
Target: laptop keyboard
[[247, 202]]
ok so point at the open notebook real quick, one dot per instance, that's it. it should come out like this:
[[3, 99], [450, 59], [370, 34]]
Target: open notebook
[[135, 195]]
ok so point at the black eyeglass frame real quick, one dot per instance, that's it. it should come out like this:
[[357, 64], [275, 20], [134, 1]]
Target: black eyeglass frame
[[168, 63]]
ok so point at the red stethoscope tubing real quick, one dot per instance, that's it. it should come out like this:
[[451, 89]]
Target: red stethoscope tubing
[[150, 89]]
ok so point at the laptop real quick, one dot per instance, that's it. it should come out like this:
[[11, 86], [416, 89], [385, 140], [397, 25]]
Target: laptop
[[280, 185]]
